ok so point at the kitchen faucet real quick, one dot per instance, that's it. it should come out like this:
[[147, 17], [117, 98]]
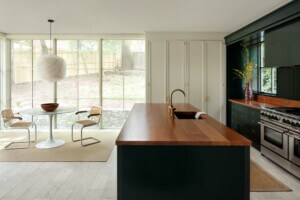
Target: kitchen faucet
[[171, 107]]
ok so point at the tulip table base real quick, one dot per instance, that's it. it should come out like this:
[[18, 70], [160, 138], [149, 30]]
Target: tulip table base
[[50, 143]]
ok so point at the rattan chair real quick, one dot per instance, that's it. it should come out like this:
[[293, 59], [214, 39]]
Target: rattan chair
[[93, 119], [15, 122]]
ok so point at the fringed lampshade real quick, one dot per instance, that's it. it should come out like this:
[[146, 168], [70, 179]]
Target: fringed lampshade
[[51, 68]]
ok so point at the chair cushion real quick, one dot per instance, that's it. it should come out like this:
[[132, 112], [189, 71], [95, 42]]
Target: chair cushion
[[20, 124], [86, 122]]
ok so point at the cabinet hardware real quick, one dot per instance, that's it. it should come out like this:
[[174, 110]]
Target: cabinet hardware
[[273, 128]]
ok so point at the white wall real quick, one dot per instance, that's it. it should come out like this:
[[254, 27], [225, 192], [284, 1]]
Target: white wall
[[194, 62]]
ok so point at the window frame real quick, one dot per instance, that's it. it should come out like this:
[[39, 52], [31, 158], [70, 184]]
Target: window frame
[[123, 98], [54, 50], [260, 79]]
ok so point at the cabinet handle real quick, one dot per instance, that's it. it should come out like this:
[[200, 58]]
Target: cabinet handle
[[273, 128]]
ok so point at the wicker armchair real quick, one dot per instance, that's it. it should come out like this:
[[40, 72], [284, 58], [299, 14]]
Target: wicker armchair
[[93, 119], [15, 122]]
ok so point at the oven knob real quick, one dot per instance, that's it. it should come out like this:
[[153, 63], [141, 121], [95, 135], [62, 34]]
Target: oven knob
[[293, 123]]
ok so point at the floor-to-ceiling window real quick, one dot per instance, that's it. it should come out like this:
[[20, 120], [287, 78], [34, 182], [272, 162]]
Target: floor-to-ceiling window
[[21, 75], [115, 84], [123, 79], [88, 73], [27, 90], [80, 88], [42, 91], [67, 89]]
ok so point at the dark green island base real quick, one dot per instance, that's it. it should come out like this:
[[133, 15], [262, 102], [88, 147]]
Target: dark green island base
[[183, 172], [161, 158]]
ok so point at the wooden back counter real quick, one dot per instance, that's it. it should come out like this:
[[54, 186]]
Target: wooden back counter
[[150, 124]]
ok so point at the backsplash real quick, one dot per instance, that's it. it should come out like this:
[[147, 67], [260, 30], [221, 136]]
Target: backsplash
[[278, 101]]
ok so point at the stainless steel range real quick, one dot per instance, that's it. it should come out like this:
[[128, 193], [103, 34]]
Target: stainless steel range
[[280, 137]]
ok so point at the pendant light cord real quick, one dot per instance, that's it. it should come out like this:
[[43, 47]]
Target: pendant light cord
[[50, 21]]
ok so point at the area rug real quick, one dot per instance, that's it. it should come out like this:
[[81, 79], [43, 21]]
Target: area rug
[[69, 152], [262, 181]]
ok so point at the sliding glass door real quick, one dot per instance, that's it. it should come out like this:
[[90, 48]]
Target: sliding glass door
[[123, 79]]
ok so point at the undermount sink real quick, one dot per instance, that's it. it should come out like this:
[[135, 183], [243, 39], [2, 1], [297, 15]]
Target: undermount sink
[[185, 114]]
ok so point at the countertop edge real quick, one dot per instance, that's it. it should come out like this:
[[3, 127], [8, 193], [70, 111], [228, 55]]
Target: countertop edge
[[252, 104]]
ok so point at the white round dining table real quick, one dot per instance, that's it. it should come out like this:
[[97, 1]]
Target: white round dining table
[[50, 142]]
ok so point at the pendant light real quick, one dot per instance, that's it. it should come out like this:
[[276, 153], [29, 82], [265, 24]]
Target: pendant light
[[51, 67]]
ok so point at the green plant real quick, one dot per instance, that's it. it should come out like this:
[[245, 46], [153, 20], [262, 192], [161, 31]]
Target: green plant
[[247, 73]]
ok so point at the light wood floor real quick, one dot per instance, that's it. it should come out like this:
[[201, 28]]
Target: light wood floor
[[96, 180], [288, 179]]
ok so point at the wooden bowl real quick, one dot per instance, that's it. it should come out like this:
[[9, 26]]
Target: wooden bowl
[[49, 107]]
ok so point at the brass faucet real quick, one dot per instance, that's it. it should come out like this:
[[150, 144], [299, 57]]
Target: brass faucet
[[171, 108]]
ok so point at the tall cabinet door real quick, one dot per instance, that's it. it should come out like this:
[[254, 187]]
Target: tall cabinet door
[[195, 73], [215, 80], [158, 76], [176, 69]]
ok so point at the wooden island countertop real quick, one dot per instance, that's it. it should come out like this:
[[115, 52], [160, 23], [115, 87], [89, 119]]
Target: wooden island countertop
[[150, 124]]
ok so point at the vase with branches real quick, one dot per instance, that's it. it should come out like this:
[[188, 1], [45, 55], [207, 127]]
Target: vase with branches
[[246, 74]]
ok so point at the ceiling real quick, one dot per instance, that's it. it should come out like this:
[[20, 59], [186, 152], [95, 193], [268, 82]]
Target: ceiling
[[130, 16]]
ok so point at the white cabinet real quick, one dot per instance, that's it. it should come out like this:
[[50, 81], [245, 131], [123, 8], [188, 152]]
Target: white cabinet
[[157, 76], [214, 79], [195, 66], [176, 69], [185, 71], [195, 71]]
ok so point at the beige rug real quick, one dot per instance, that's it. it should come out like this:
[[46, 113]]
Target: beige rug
[[262, 181], [70, 151]]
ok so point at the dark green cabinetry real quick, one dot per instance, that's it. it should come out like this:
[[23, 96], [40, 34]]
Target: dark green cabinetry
[[156, 172], [282, 45], [297, 83], [285, 83], [244, 120], [288, 83]]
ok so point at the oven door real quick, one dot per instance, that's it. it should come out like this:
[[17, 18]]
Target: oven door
[[294, 148], [274, 138]]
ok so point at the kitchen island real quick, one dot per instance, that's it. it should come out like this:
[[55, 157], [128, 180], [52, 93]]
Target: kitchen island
[[164, 158]]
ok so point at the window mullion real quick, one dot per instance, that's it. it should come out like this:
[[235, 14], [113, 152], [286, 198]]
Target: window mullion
[[122, 62], [54, 94], [78, 47], [100, 78], [32, 88]]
